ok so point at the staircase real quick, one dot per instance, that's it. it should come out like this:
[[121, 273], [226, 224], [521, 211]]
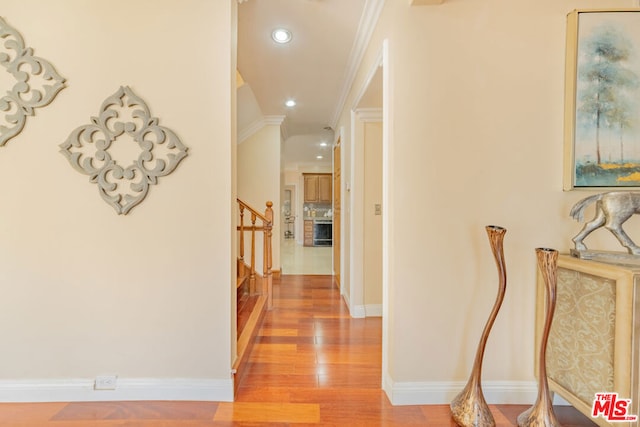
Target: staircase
[[254, 291]]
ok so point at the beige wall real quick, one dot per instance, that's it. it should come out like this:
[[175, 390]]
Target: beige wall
[[475, 138], [476, 101], [372, 242], [259, 180], [362, 289], [86, 292]]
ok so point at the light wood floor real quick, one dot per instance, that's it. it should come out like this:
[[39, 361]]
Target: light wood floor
[[298, 259], [310, 365]]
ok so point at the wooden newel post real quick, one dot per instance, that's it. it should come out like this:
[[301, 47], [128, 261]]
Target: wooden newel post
[[252, 274], [268, 213], [241, 261]]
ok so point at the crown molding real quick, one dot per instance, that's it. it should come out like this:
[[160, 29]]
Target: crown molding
[[273, 120], [420, 2], [367, 25], [259, 124], [369, 114]]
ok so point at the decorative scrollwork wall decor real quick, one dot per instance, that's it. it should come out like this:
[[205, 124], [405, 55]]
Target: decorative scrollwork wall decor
[[126, 116], [34, 82]]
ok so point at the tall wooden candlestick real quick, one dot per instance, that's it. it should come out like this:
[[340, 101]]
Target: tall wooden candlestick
[[469, 408], [541, 413]]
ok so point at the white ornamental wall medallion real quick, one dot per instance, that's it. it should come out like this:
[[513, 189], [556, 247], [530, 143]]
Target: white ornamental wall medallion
[[30, 82], [152, 150]]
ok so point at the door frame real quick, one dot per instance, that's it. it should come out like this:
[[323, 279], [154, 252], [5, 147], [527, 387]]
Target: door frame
[[359, 116], [356, 285]]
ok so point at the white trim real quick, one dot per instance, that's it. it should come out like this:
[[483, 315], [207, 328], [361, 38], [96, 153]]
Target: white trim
[[377, 64], [368, 21], [81, 390], [425, 2], [355, 311], [369, 115], [559, 401], [373, 310], [443, 392], [356, 252], [358, 311], [273, 120], [250, 130], [356, 212], [387, 383], [387, 200], [259, 124]]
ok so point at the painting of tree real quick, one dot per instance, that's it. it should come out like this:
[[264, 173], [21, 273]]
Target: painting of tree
[[607, 100]]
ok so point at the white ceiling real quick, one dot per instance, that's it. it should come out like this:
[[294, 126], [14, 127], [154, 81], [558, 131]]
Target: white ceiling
[[314, 69]]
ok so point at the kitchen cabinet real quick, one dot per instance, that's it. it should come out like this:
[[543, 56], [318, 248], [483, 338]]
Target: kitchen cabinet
[[310, 188], [324, 188], [308, 233], [317, 188]]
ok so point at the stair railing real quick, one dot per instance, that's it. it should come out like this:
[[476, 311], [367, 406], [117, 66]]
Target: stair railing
[[266, 228]]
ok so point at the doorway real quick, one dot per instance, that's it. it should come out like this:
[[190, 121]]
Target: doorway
[[371, 115], [296, 257], [289, 212], [366, 243]]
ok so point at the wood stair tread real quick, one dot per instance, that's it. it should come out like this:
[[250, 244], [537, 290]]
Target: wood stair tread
[[241, 279]]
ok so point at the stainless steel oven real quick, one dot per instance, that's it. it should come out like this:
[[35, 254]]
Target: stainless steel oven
[[322, 232]]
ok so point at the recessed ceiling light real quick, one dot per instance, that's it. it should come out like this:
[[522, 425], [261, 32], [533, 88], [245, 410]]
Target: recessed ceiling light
[[281, 35], [323, 144], [319, 157], [290, 103]]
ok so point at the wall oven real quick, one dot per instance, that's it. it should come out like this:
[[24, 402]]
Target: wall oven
[[322, 232]]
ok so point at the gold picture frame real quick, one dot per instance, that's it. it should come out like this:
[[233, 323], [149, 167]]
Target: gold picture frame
[[602, 99]]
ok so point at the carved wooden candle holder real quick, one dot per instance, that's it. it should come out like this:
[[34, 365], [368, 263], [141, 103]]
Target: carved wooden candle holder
[[469, 408], [541, 413]]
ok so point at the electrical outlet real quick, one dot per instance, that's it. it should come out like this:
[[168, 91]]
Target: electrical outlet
[[105, 382]]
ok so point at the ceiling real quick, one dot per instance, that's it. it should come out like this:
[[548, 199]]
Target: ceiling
[[315, 69]]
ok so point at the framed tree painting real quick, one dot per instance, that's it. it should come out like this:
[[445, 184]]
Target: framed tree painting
[[602, 99]]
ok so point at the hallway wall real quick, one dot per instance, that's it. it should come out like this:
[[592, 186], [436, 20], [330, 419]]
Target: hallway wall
[[475, 137], [372, 244], [87, 292], [259, 181]]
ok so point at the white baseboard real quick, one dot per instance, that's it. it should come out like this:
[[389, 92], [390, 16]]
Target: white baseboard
[[399, 393], [559, 401], [373, 310], [82, 390], [358, 311], [441, 393]]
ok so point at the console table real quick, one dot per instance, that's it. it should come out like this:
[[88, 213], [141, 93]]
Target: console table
[[594, 337]]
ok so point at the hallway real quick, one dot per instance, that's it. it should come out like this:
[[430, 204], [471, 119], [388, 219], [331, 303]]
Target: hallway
[[311, 364], [298, 259]]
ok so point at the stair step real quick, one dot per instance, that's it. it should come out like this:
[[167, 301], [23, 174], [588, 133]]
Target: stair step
[[240, 280]]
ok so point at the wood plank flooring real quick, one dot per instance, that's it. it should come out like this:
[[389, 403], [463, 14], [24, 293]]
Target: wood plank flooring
[[310, 365]]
